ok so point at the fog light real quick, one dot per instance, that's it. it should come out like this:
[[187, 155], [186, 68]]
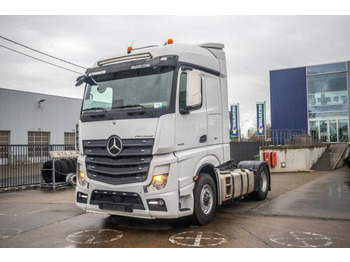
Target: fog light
[[156, 205], [157, 202], [159, 181], [81, 198]]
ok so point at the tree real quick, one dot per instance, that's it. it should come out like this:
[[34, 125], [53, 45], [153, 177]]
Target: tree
[[252, 134]]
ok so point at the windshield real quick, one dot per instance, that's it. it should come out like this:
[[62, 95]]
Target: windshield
[[145, 88]]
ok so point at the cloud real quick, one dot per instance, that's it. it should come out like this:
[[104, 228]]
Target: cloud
[[254, 45]]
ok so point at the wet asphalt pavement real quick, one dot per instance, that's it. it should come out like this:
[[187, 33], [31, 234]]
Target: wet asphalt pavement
[[302, 210]]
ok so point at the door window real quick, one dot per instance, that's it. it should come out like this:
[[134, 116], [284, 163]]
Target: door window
[[343, 130], [314, 129], [333, 131], [324, 131], [182, 91]]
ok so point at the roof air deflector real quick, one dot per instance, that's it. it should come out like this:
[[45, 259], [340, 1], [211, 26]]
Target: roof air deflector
[[213, 45]]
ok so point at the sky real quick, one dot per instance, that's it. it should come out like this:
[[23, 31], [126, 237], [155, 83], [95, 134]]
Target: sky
[[254, 45]]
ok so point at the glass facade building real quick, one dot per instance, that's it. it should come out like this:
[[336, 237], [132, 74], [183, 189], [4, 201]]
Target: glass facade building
[[327, 101], [326, 110]]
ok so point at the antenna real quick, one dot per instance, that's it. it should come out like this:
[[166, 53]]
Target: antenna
[[130, 47]]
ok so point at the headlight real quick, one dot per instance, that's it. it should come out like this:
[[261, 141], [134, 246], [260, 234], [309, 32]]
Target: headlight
[[81, 177], [159, 181]]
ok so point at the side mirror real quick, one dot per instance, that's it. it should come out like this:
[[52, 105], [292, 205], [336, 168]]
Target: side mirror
[[80, 80], [193, 89], [84, 79]]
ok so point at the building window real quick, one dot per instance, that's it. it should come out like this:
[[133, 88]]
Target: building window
[[69, 138], [329, 68], [329, 130], [4, 142], [4, 137], [38, 143], [327, 94]]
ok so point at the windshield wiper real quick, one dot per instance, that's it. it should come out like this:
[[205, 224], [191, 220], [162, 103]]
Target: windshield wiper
[[135, 105], [96, 109]]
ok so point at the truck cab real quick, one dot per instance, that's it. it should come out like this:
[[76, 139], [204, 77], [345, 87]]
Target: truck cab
[[154, 132]]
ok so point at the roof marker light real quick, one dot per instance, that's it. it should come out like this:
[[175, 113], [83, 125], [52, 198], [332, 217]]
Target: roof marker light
[[170, 41], [129, 49]]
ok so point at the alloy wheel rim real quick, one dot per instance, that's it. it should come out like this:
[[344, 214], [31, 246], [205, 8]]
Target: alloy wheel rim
[[206, 199], [263, 180]]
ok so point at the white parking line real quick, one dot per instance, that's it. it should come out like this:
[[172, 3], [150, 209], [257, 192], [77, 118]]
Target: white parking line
[[37, 211]]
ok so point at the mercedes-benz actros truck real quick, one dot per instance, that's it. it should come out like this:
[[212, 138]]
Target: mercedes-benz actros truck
[[153, 136]]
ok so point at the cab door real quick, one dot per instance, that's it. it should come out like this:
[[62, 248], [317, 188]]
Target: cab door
[[191, 116]]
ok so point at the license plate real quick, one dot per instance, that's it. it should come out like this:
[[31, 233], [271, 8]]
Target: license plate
[[116, 207]]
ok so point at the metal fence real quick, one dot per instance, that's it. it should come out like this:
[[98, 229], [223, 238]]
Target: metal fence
[[298, 137], [20, 165], [338, 151]]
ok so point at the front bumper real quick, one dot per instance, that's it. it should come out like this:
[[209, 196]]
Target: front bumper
[[134, 200], [143, 210]]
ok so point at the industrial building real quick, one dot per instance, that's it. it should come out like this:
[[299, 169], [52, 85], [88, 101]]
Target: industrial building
[[312, 100], [28, 118]]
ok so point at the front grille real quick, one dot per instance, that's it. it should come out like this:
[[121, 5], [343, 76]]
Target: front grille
[[130, 166]]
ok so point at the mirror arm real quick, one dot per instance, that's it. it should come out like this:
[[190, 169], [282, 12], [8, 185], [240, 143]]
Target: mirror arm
[[84, 79], [184, 111], [186, 68]]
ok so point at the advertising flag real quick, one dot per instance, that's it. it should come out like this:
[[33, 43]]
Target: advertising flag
[[234, 121], [260, 118]]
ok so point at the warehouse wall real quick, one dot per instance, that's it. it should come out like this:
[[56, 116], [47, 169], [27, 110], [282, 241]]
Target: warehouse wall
[[20, 113]]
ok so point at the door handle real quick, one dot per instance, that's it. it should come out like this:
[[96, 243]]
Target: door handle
[[203, 139]]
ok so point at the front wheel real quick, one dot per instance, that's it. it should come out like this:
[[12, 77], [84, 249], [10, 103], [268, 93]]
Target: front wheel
[[204, 199]]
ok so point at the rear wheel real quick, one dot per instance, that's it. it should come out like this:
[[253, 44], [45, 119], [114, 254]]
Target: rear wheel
[[262, 177], [204, 199]]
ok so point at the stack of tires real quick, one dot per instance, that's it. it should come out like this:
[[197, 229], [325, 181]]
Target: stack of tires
[[65, 170]]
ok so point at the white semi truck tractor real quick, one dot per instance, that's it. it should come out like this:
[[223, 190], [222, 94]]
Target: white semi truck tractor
[[153, 136]]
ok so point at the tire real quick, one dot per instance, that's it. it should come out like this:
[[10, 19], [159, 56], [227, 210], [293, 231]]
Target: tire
[[46, 172], [65, 167], [62, 170], [263, 183], [69, 165], [74, 163], [59, 168], [205, 200]]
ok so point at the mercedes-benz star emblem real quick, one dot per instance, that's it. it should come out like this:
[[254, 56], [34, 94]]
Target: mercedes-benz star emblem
[[114, 145]]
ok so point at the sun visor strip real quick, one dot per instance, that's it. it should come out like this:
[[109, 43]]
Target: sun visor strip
[[132, 65]]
